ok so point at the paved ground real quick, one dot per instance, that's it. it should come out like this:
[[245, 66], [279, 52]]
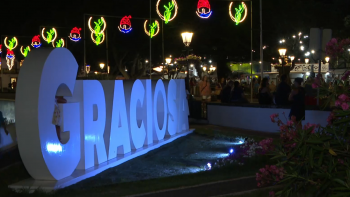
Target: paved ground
[[207, 190]]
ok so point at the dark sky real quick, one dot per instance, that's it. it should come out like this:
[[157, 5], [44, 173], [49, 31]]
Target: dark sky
[[218, 36]]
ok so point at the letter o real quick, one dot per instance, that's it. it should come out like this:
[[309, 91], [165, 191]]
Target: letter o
[[160, 89]]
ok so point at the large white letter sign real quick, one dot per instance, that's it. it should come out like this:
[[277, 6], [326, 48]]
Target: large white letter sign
[[118, 120], [119, 139], [94, 122], [172, 118], [159, 110], [138, 134], [42, 74]]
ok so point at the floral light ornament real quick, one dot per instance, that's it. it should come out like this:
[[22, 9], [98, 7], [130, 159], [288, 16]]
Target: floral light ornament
[[203, 9], [97, 33], [36, 42], [168, 16], [154, 28], [10, 56], [25, 51], [75, 34], [51, 35], [59, 44], [125, 25], [239, 12]]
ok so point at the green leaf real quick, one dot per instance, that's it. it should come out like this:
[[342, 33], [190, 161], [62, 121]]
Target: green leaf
[[311, 155], [320, 159], [341, 182]]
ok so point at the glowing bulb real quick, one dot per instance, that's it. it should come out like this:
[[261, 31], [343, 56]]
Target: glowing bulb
[[302, 48], [292, 58], [327, 59], [209, 165], [308, 73], [231, 150], [313, 51], [102, 65], [307, 60]]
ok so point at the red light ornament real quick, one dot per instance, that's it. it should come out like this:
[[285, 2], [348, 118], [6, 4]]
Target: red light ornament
[[36, 42], [125, 25], [75, 34], [204, 9]]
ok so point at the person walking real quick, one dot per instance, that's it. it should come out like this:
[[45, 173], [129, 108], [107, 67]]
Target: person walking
[[297, 97], [205, 91], [283, 91], [265, 96]]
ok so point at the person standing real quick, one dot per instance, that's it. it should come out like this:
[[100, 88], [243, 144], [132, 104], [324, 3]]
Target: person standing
[[205, 89], [297, 97], [272, 87], [265, 96], [283, 91]]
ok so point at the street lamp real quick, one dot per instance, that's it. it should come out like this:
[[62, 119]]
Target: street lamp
[[327, 59], [307, 60], [187, 39], [87, 68], [204, 68], [282, 52], [292, 58], [102, 66], [168, 60]]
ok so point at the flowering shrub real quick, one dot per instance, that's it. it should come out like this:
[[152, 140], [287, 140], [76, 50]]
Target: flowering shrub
[[269, 175], [267, 145], [250, 148], [314, 159]]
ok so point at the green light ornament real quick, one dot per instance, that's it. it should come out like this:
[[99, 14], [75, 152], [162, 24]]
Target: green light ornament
[[154, 28], [97, 33], [239, 16], [50, 35], [26, 51], [12, 43], [170, 11]]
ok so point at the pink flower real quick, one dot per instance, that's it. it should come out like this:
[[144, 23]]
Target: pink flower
[[344, 98], [345, 106], [273, 117], [290, 123], [314, 85], [312, 126], [331, 118], [338, 103], [271, 194]]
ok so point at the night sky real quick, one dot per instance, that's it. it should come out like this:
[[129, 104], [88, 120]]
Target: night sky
[[217, 37]]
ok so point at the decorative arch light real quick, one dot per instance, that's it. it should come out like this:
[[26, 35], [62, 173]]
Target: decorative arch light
[[168, 16], [10, 56], [238, 13], [75, 34], [25, 51], [36, 42], [59, 44], [203, 9], [125, 24], [51, 35], [154, 28], [97, 33]]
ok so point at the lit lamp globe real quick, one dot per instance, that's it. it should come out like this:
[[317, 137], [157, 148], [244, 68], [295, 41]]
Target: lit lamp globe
[[102, 66], [282, 52], [168, 60], [187, 38], [327, 59], [204, 68], [292, 58], [87, 68], [280, 60], [307, 60]]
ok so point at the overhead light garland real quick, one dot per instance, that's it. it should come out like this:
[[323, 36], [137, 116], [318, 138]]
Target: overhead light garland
[[125, 24], [168, 15], [75, 34], [154, 28], [59, 44], [36, 42], [25, 51], [97, 33], [204, 9], [10, 56], [242, 8], [51, 35]]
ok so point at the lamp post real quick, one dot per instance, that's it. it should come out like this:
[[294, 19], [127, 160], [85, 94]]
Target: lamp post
[[187, 39], [168, 62], [102, 66]]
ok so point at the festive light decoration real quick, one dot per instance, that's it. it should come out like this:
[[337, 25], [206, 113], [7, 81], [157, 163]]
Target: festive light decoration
[[202, 6], [51, 35], [75, 34], [12, 43], [125, 24], [168, 16], [36, 42], [10, 59], [10, 56], [97, 33], [152, 32], [239, 11], [25, 51], [59, 44], [0, 48]]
